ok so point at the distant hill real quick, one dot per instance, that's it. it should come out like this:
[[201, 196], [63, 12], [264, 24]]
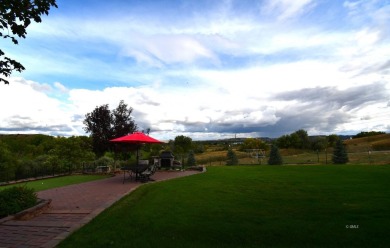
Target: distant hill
[[379, 142]]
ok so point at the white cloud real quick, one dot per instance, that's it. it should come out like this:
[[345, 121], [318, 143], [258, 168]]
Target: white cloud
[[286, 9], [28, 108], [215, 71], [167, 49], [61, 87]]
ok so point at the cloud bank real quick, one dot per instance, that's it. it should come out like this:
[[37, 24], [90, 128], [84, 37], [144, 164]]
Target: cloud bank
[[250, 68]]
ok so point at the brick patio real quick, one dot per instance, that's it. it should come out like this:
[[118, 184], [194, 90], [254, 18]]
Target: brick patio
[[71, 207]]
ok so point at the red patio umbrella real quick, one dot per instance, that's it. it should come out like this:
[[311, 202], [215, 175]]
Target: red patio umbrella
[[136, 138]]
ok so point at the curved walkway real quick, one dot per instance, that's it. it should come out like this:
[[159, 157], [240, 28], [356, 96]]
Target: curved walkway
[[71, 207]]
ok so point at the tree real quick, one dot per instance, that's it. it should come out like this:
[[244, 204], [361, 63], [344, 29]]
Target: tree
[[105, 125], [284, 141], [191, 161], [98, 123], [252, 143], [231, 158], [6, 162], [71, 152], [198, 147], [299, 139], [303, 139], [274, 157], [182, 145], [15, 17], [340, 155], [123, 123], [332, 140], [319, 144]]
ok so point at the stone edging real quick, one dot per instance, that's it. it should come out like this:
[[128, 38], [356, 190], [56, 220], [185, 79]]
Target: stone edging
[[30, 212]]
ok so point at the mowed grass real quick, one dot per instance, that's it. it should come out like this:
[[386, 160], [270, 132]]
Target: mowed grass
[[251, 206], [56, 182]]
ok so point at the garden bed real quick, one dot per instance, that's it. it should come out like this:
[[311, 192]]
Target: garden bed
[[29, 213]]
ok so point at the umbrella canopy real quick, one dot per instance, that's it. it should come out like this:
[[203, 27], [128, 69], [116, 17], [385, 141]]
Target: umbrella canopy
[[136, 137]]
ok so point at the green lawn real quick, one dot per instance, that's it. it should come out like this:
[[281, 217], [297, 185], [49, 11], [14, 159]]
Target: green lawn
[[56, 182], [251, 206]]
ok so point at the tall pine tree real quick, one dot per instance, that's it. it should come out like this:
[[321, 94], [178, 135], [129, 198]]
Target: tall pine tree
[[191, 161], [340, 155], [274, 157], [231, 158]]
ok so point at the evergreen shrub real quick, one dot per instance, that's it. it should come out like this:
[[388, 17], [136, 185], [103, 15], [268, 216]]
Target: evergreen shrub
[[191, 161], [231, 158], [274, 157], [340, 155]]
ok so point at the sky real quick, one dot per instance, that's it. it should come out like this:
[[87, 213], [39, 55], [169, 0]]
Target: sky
[[207, 69]]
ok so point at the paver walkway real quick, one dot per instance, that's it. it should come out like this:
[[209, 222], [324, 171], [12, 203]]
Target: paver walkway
[[71, 207]]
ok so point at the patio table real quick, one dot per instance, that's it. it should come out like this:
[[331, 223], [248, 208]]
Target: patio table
[[135, 170]]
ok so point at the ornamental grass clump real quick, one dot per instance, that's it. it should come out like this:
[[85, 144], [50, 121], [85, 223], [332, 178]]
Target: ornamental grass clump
[[16, 199]]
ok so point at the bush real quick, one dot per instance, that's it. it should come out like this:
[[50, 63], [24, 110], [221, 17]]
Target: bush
[[16, 199], [104, 161]]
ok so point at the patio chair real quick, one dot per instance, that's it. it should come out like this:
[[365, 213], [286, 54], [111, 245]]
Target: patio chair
[[146, 174], [138, 169], [134, 171]]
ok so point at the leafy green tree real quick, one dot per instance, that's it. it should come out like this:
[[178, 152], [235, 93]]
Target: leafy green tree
[[182, 145], [231, 158], [299, 139], [123, 123], [71, 152], [303, 139], [98, 123], [104, 125], [198, 147], [340, 155], [15, 17], [28, 145], [319, 143], [332, 140], [284, 141], [252, 143], [274, 157], [7, 171], [295, 140]]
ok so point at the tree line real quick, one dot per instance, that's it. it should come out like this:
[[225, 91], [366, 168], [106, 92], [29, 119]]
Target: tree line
[[301, 140], [24, 156]]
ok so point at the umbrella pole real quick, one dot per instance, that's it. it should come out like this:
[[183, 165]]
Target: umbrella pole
[[137, 164], [137, 156]]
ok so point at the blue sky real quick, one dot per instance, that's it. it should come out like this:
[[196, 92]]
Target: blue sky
[[206, 69]]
